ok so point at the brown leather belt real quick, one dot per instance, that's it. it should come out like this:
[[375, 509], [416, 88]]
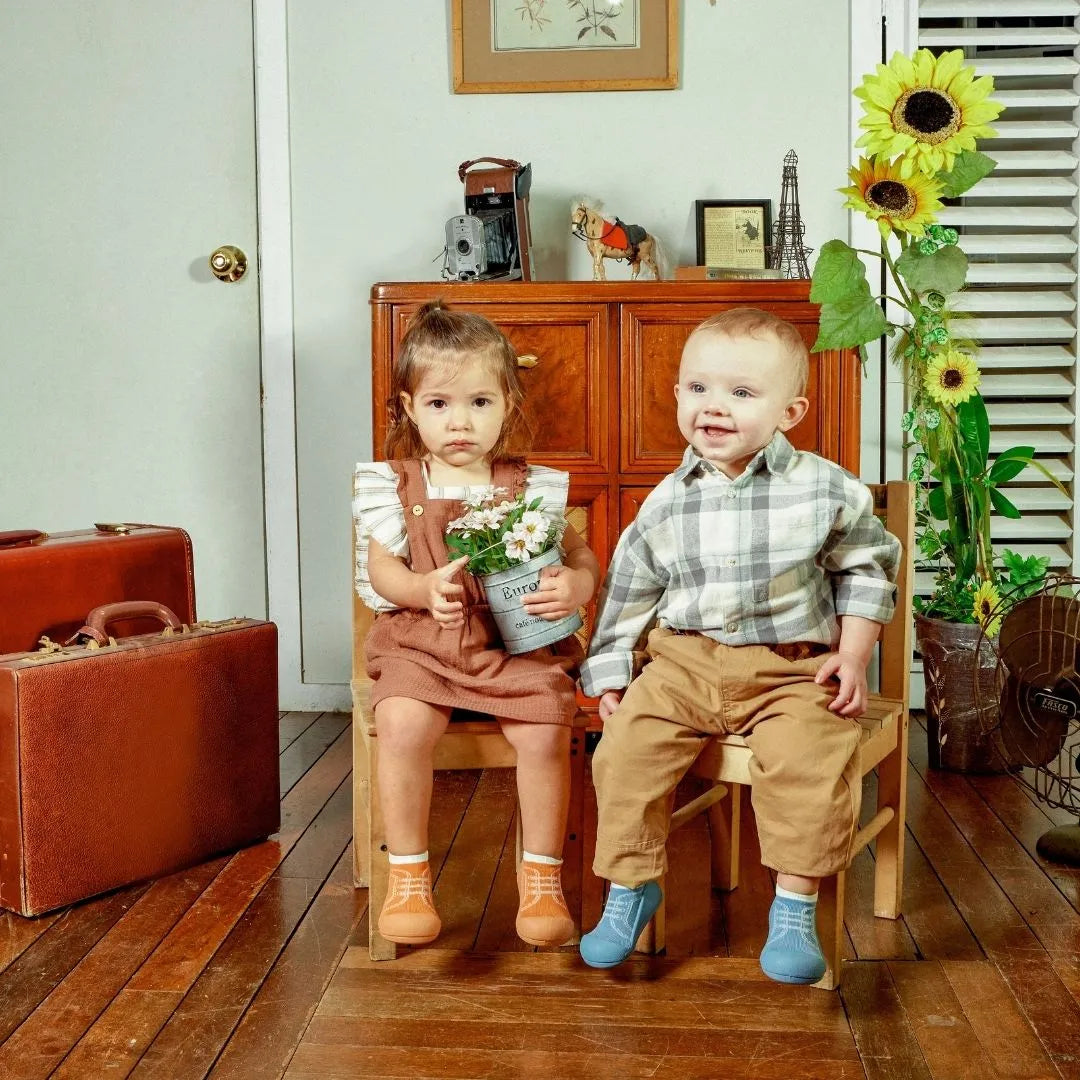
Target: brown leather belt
[[799, 650]]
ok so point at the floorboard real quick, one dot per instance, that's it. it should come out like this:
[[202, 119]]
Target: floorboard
[[255, 964]]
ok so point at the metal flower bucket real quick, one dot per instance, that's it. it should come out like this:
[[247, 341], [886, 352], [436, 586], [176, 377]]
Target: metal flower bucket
[[522, 632]]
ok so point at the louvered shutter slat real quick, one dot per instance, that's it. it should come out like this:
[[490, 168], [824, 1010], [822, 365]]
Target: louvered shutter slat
[[1032, 357], [979, 37], [1026, 187], [1030, 385], [1010, 9], [1042, 66], [1031, 160], [1044, 329], [1015, 300], [1002, 273]]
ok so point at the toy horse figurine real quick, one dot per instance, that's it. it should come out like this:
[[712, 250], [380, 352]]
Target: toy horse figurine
[[613, 240]]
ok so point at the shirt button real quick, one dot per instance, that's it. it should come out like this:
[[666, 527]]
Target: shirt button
[[417, 510], [731, 561], [732, 627], [731, 493]]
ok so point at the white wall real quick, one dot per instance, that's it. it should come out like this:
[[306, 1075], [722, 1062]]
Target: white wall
[[377, 135]]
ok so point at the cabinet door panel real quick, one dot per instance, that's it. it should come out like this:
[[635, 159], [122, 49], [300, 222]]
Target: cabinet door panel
[[652, 337], [587, 512], [566, 390]]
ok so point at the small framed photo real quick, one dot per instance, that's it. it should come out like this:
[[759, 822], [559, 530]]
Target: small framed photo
[[733, 233], [530, 46]]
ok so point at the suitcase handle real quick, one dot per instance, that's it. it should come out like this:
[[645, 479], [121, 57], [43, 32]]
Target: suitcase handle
[[18, 537], [101, 616]]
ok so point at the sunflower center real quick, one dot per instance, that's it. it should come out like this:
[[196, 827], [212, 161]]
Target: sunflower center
[[928, 115], [951, 379], [891, 197], [985, 608]]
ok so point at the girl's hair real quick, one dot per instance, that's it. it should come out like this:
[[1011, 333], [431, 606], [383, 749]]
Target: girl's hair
[[751, 322], [439, 337]]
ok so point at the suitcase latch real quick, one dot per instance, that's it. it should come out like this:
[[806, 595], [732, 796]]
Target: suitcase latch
[[117, 527]]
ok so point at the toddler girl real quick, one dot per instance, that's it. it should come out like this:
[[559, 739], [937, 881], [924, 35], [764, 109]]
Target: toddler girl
[[455, 422]]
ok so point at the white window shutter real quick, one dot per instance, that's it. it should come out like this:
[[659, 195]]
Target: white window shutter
[[1019, 229]]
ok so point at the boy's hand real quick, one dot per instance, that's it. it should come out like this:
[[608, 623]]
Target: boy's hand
[[609, 702], [850, 671], [439, 590], [562, 591]]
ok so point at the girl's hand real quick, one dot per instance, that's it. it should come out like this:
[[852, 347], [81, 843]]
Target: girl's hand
[[850, 671], [561, 592], [609, 702], [439, 589]]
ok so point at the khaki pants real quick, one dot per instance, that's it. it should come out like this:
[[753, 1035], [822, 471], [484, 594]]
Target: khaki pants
[[805, 785]]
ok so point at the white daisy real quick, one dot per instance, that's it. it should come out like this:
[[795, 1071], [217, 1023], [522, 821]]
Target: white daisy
[[517, 546]]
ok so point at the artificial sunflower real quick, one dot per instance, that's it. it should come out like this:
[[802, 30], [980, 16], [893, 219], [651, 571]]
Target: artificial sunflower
[[927, 108], [884, 196], [985, 608], [951, 377]]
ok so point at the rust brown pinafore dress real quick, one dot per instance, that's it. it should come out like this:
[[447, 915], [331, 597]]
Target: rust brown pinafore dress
[[467, 667]]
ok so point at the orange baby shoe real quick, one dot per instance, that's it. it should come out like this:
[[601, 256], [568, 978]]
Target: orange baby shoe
[[542, 918], [408, 914]]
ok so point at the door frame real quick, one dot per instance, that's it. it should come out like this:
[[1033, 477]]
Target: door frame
[[280, 495]]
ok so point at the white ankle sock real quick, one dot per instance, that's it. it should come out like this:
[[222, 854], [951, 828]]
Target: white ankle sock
[[402, 860], [544, 860], [806, 898]]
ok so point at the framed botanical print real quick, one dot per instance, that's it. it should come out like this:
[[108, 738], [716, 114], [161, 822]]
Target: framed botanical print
[[532, 46]]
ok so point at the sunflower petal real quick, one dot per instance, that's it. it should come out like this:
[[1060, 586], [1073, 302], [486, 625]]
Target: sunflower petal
[[948, 64], [904, 69]]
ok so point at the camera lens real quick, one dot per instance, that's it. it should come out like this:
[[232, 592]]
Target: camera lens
[[464, 247]]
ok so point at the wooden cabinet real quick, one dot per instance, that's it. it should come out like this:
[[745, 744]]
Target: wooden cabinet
[[600, 396]]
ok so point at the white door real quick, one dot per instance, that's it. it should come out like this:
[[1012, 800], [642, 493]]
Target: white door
[[129, 375]]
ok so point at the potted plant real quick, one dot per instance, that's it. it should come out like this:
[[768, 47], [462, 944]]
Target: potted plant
[[508, 543], [923, 116]]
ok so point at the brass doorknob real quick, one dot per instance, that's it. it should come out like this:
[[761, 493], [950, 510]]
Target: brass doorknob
[[228, 263]]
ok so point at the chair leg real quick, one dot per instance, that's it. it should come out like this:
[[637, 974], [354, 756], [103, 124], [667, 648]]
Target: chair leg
[[830, 926], [378, 947], [592, 887], [889, 853], [724, 829], [361, 789]]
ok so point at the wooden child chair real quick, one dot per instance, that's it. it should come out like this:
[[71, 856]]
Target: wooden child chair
[[724, 763], [467, 744]]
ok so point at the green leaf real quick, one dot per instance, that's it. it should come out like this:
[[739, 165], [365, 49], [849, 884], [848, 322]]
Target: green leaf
[[945, 271], [1002, 505], [1010, 463], [848, 323], [974, 426], [938, 506], [839, 275], [968, 169]]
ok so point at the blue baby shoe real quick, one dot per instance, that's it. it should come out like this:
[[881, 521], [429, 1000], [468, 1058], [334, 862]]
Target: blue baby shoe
[[792, 953], [626, 913]]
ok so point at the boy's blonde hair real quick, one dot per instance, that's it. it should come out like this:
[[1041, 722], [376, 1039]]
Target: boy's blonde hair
[[439, 337], [752, 322]]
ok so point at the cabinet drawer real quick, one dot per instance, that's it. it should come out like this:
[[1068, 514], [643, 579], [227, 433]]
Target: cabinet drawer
[[567, 396], [652, 338]]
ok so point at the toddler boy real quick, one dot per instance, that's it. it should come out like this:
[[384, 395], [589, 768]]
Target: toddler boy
[[767, 577]]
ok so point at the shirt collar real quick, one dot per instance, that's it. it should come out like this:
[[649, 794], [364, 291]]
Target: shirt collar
[[776, 457]]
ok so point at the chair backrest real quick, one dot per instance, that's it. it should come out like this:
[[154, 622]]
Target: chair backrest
[[894, 504]]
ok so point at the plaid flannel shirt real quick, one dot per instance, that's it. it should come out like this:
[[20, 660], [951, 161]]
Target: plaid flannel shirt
[[774, 556]]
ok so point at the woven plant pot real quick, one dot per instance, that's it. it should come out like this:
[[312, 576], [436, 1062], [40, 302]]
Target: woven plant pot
[[960, 696]]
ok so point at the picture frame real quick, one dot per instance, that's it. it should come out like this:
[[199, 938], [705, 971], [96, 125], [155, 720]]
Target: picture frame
[[499, 47], [734, 233]]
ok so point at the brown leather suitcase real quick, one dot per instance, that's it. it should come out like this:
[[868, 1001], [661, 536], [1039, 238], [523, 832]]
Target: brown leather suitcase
[[133, 758], [48, 582]]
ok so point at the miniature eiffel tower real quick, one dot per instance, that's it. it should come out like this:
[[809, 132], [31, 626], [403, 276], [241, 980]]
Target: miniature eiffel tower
[[788, 252]]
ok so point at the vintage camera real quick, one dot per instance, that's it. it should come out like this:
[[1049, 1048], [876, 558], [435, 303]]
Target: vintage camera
[[491, 239]]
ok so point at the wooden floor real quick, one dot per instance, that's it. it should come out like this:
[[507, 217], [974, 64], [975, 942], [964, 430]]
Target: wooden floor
[[256, 965]]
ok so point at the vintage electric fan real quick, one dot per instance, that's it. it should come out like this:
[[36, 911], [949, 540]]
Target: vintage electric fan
[[1031, 711]]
